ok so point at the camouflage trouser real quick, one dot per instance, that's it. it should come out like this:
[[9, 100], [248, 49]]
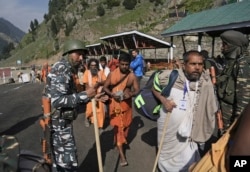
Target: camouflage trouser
[[63, 145], [227, 111]]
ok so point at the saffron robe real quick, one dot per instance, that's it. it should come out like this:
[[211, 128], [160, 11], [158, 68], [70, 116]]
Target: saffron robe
[[120, 112], [100, 110]]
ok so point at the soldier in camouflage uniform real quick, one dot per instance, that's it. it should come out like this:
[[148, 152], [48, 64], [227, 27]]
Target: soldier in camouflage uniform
[[64, 100], [234, 48]]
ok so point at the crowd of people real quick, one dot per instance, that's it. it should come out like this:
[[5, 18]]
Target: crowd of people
[[191, 107]]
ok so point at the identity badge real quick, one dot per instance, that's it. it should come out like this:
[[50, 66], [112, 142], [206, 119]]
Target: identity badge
[[183, 105]]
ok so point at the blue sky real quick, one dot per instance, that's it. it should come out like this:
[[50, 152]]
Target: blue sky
[[21, 12]]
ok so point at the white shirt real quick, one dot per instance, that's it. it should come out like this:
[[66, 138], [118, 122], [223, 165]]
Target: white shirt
[[106, 70]]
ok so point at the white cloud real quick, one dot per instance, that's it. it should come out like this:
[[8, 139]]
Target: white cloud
[[22, 12]]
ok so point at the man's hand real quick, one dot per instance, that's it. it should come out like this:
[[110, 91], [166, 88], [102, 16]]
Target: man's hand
[[101, 97], [91, 92], [128, 94], [97, 85], [169, 104]]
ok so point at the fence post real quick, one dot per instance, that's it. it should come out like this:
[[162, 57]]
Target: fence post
[[3, 77]]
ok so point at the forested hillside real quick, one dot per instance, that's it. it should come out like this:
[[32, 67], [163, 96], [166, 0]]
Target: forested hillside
[[10, 36], [89, 20]]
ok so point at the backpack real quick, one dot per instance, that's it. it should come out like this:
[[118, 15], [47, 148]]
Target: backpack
[[145, 102], [9, 149], [31, 162], [14, 160]]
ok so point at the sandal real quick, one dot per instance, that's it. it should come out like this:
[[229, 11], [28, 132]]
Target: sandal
[[87, 123], [124, 163]]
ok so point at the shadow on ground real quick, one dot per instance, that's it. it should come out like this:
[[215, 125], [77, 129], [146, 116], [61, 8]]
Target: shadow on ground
[[90, 163]]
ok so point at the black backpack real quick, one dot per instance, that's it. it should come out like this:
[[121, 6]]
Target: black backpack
[[14, 160], [29, 161], [146, 104]]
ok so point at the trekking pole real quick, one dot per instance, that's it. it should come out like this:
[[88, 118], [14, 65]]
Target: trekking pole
[[97, 138], [161, 141]]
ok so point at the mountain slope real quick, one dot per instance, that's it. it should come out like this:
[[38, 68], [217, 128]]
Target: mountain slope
[[9, 33], [89, 27]]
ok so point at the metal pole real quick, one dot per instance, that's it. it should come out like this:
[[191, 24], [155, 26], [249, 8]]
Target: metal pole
[[213, 41], [199, 41]]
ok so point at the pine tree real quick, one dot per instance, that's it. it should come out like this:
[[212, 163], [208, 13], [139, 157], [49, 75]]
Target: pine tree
[[36, 23], [129, 4], [112, 3], [198, 5], [32, 27], [84, 4], [53, 27], [100, 10]]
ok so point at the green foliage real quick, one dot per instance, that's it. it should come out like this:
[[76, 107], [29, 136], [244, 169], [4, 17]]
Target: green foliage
[[6, 51], [157, 2], [44, 44], [55, 6], [52, 7], [46, 18], [69, 26], [59, 21], [84, 4], [141, 21], [28, 38], [69, 2], [36, 23], [112, 3], [32, 27], [61, 4], [100, 10], [231, 1], [193, 6], [129, 4], [56, 45], [110, 23], [54, 28]]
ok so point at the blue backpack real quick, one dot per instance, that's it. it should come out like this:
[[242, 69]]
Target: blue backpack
[[146, 104]]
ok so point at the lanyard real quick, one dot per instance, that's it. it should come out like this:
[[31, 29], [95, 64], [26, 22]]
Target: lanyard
[[186, 88]]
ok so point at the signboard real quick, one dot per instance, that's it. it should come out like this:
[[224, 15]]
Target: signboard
[[5, 72]]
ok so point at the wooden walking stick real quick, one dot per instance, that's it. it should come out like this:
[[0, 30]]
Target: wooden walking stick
[[161, 141], [97, 138]]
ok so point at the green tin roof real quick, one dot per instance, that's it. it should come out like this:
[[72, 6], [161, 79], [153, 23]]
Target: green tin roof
[[214, 21]]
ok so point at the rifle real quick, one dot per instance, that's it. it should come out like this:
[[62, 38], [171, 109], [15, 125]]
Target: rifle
[[45, 123], [218, 113]]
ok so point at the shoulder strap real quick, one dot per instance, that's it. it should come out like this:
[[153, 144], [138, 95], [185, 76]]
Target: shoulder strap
[[122, 79], [172, 78]]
